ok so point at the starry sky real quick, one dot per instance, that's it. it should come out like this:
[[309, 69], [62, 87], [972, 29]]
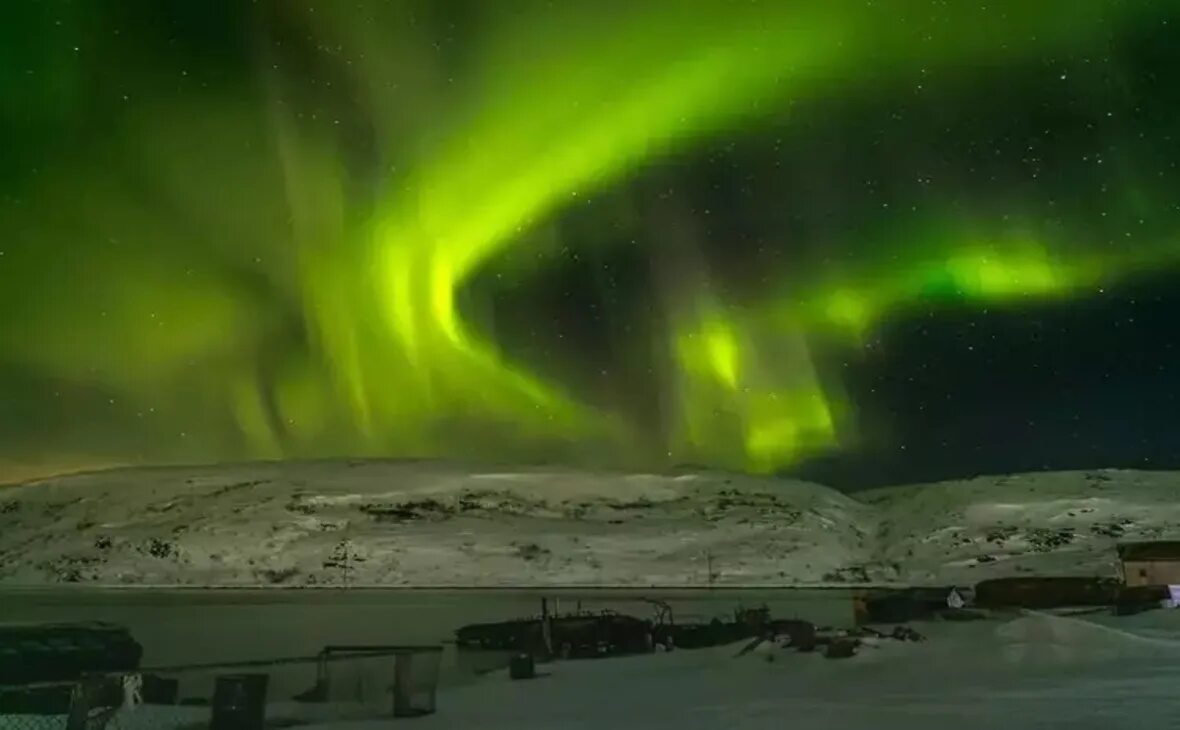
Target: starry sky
[[854, 241]]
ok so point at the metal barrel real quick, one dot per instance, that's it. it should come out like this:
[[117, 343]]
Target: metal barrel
[[239, 702]]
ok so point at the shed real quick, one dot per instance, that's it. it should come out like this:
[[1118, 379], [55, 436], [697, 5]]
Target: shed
[[1150, 563]]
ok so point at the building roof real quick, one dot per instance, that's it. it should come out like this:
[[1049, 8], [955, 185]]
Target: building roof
[[1158, 550]]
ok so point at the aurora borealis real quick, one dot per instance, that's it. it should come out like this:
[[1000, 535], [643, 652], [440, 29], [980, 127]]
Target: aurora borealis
[[633, 234]]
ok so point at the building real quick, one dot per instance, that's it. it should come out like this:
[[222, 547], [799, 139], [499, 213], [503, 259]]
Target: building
[[1150, 563], [1041, 592]]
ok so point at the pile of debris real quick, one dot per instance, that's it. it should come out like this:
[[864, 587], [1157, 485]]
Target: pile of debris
[[585, 635], [804, 637], [745, 624], [581, 635]]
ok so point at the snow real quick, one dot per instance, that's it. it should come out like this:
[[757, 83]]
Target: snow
[[386, 523], [1035, 671]]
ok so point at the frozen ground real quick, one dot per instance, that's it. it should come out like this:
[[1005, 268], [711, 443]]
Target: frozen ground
[[1032, 672], [431, 524]]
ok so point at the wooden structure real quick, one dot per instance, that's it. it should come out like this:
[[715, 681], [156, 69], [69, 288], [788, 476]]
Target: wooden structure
[[1150, 563]]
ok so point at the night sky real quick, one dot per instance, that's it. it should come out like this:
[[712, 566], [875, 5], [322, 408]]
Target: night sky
[[860, 242]]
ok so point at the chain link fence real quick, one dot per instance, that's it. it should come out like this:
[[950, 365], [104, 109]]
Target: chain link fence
[[341, 683]]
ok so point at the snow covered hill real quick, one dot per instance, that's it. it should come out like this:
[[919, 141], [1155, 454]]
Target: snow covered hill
[[1049, 523], [433, 524]]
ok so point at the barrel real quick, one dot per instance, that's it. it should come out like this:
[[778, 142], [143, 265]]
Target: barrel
[[522, 666], [239, 702]]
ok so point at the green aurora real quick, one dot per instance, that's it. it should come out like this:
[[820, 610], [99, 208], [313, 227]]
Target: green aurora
[[250, 267]]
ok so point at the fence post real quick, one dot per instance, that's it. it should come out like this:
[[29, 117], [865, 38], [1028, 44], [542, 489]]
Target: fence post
[[415, 680], [81, 696]]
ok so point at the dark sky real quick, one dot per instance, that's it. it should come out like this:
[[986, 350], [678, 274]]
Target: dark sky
[[201, 201]]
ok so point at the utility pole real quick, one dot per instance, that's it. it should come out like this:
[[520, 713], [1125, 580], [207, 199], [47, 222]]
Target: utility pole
[[341, 559], [546, 627]]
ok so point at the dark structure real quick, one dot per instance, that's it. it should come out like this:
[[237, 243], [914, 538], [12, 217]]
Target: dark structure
[[522, 666], [576, 636], [1150, 563], [159, 690], [900, 606], [1047, 592], [588, 635], [842, 648], [746, 624], [239, 702], [796, 632], [1137, 599], [699, 636], [39, 661], [64, 652]]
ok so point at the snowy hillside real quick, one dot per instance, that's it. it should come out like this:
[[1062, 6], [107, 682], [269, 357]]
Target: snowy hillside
[[1059, 523], [430, 524], [423, 524]]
